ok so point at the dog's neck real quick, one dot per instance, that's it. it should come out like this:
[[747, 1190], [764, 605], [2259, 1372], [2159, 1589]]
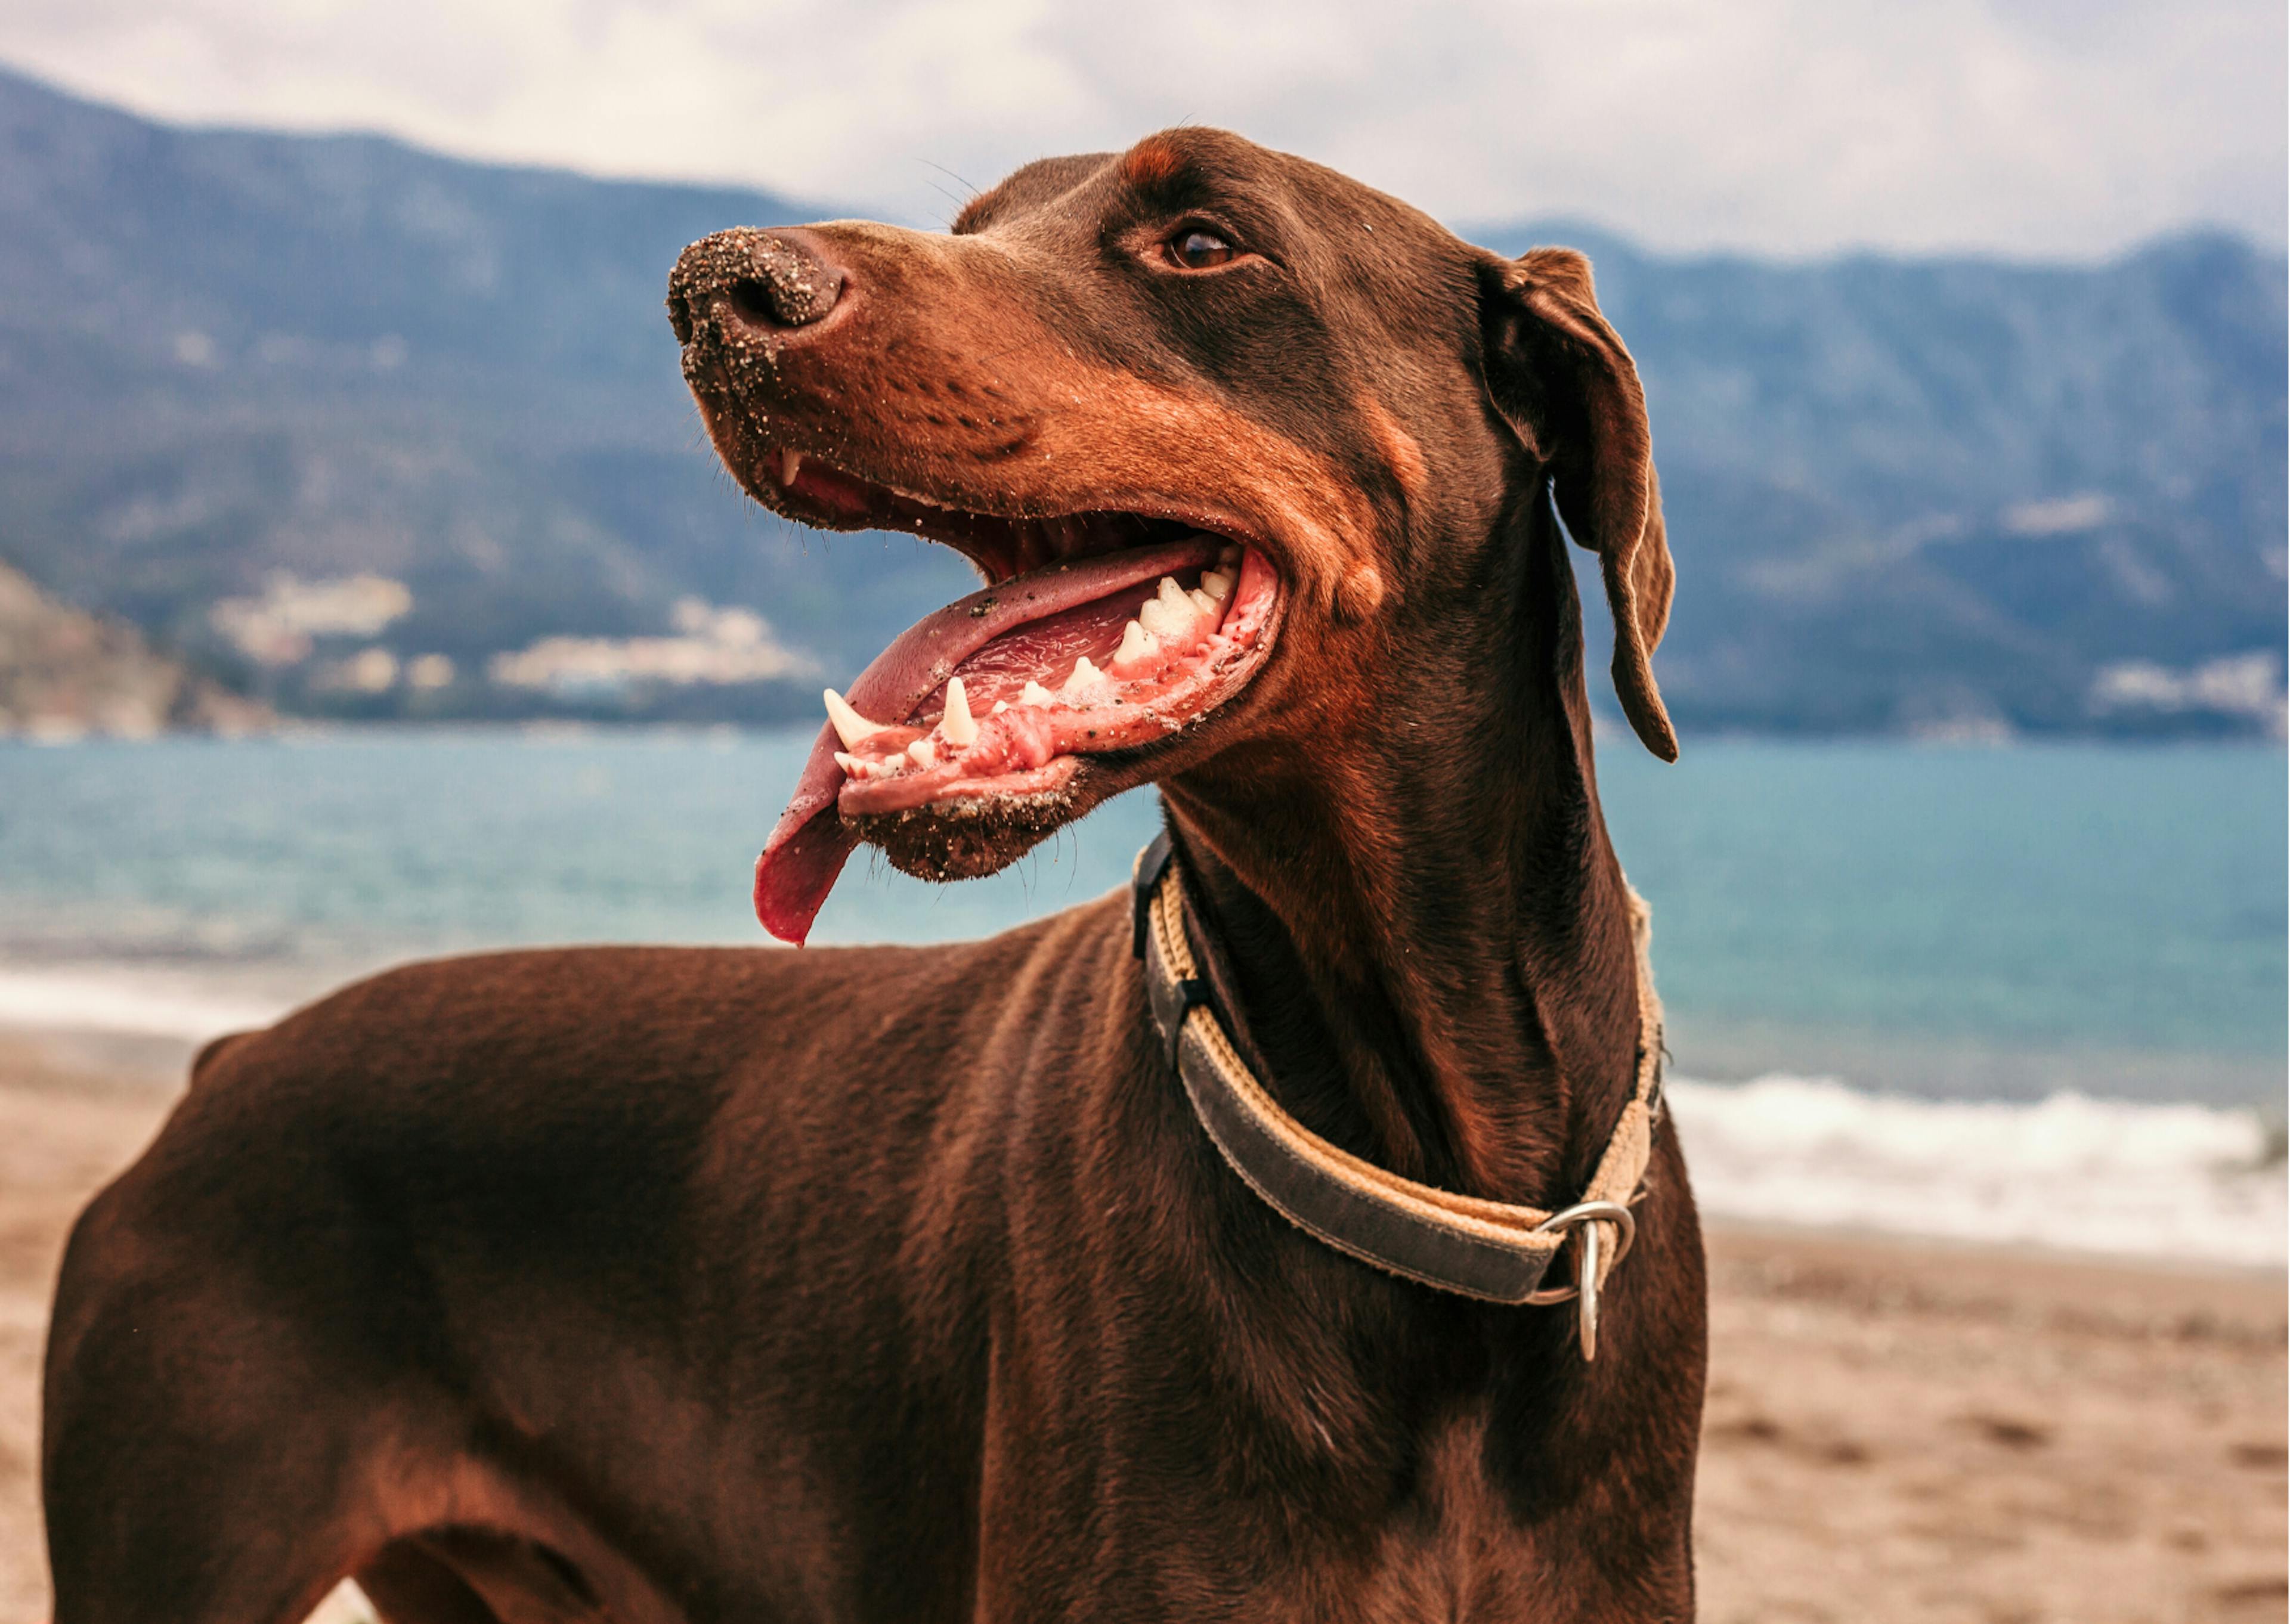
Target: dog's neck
[[1428, 951]]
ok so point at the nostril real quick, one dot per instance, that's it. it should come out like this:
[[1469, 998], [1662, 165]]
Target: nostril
[[754, 305], [786, 285], [745, 280]]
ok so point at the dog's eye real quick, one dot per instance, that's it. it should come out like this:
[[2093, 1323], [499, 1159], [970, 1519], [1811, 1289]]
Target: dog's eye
[[1194, 249]]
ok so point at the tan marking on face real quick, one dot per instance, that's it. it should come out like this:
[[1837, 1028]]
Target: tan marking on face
[[1399, 450], [1147, 438], [1360, 593], [1151, 161]]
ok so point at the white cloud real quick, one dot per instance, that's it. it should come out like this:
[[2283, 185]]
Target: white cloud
[[713, 646], [2034, 126], [2059, 516], [2240, 685], [276, 628]]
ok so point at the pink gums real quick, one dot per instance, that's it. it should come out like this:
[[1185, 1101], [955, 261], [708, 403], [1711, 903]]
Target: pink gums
[[1026, 750]]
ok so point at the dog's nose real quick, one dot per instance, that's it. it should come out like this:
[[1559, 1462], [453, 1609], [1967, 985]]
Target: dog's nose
[[767, 281]]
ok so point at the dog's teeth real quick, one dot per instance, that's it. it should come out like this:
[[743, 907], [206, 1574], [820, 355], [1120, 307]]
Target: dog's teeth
[[999, 707], [1136, 643], [1230, 557], [961, 730], [1153, 617], [1202, 601], [1217, 586], [854, 765], [922, 753], [1173, 599], [1034, 693], [790, 464], [849, 726], [1085, 676]]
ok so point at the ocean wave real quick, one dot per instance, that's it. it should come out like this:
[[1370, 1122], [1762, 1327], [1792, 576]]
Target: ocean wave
[[2130, 1178], [135, 1002]]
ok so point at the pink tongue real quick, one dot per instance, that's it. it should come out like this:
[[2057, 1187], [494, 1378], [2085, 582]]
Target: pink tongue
[[810, 844]]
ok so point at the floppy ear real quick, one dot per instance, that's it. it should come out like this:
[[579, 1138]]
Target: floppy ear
[[1565, 383]]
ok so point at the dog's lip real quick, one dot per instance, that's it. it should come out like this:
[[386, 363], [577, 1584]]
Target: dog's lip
[[809, 845], [938, 513]]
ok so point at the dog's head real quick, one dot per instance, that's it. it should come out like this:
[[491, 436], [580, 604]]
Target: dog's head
[[1230, 437]]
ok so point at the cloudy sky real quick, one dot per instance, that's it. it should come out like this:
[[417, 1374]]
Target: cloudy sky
[[2030, 127]]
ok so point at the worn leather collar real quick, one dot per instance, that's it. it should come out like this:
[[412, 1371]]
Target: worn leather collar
[[1491, 1250]]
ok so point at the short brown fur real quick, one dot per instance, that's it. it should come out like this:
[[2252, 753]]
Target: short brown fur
[[897, 1284]]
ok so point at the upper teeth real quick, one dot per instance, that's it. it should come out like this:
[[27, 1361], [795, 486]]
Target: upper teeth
[[791, 462], [1215, 585]]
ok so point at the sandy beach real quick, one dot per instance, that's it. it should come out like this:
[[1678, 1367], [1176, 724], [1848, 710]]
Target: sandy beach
[[1896, 1432]]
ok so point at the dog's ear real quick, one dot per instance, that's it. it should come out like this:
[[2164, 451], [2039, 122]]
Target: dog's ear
[[1564, 382]]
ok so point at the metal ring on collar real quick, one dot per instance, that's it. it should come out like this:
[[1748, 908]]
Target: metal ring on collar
[[1614, 1212]]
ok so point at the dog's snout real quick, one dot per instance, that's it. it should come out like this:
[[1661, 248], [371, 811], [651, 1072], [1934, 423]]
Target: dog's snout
[[770, 281]]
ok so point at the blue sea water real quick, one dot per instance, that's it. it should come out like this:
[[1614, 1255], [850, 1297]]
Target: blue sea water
[[2076, 899], [2044, 975]]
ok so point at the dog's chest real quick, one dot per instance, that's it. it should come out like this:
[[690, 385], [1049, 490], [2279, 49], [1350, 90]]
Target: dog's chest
[[1450, 1550]]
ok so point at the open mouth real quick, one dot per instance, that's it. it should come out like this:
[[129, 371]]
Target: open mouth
[[1097, 635]]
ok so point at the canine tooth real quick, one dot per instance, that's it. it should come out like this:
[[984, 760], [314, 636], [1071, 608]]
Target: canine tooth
[[1034, 693], [961, 730], [924, 753], [1136, 643], [1085, 676], [791, 462], [1216, 585], [849, 726], [1202, 601]]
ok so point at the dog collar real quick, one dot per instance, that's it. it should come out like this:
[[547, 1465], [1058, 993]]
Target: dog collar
[[1491, 1250]]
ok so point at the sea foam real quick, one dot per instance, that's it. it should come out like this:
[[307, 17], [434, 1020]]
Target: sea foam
[[134, 1001], [2170, 1181]]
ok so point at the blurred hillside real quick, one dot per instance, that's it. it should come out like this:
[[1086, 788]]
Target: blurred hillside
[[65, 673], [370, 432]]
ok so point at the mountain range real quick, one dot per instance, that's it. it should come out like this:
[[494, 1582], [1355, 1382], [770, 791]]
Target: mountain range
[[362, 430]]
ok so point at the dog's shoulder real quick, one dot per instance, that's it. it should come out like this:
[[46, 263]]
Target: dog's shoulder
[[504, 1043]]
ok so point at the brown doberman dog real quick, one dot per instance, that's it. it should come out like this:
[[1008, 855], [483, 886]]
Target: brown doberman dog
[[901, 1284]]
